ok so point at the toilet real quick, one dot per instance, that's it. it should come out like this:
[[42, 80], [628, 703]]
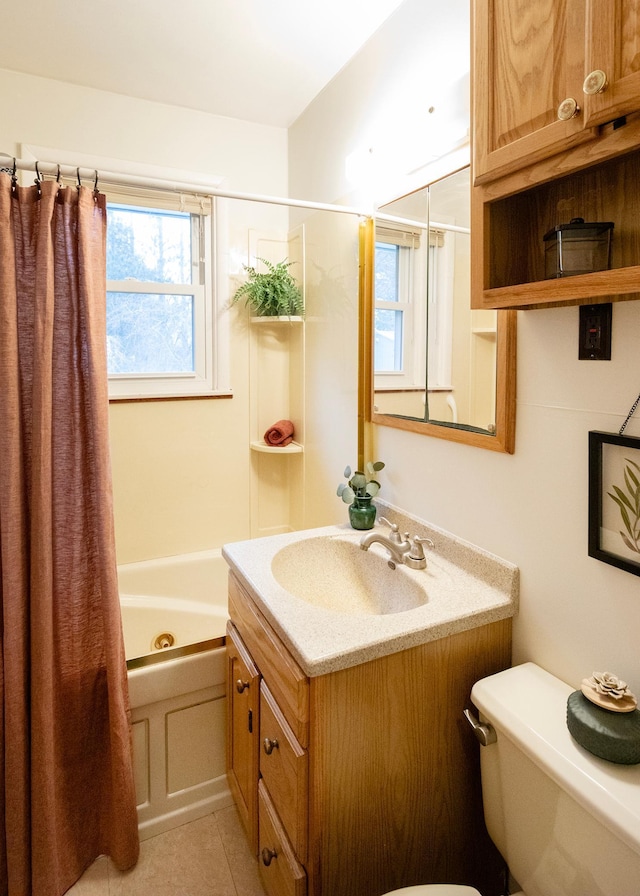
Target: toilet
[[566, 822]]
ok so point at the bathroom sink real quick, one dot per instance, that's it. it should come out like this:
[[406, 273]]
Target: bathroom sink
[[335, 605], [334, 573]]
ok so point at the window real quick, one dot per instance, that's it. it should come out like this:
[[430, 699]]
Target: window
[[159, 295], [166, 333]]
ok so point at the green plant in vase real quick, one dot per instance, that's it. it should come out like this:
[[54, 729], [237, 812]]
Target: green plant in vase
[[271, 293], [358, 491]]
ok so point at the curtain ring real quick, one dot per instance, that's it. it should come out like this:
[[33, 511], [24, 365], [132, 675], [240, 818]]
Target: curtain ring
[[78, 176], [95, 183], [14, 177], [58, 175], [38, 180]]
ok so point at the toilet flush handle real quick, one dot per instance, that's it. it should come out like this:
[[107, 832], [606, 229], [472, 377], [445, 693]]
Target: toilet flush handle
[[486, 734]]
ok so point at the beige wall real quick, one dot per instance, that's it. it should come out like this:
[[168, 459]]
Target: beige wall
[[577, 614], [184, 476], [180, 468]]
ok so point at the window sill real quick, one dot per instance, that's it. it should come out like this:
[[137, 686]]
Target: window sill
[[118, 399]]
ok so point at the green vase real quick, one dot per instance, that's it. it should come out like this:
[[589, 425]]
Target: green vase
[[362, 513]]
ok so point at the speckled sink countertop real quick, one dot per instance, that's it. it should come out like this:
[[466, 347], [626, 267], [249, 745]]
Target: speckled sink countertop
[[467, 587]]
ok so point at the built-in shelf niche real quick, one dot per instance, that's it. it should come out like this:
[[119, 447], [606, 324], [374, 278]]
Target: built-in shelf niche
[[516, 225], [277, 370]]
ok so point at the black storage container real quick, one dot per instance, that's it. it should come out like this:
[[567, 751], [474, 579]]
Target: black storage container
[[578, 247]]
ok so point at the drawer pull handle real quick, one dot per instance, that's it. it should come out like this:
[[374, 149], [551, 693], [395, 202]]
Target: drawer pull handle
[[241, 685], [270, 745], [268, 855]]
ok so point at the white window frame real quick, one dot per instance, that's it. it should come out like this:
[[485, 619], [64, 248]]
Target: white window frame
[[198, 382], [211, 322], [411, 283]]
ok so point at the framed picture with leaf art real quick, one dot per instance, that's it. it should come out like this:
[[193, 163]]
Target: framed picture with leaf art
[[614, 500]]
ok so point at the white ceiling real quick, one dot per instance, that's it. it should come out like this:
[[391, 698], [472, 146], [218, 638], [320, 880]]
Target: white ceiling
[[259, 60]]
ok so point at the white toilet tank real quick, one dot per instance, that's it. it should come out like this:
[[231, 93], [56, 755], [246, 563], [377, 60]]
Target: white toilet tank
[[566, 822]]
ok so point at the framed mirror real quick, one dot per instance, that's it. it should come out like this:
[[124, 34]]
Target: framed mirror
[[434, 365]]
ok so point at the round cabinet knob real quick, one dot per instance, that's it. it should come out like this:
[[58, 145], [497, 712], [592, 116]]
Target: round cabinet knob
[[568, 109], [268, 855], [270, 745], [241, 685], [595, 82]]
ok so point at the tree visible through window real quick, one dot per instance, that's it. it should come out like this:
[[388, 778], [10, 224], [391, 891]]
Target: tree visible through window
[[152, 256]]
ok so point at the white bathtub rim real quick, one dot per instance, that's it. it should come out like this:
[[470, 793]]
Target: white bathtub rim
[[173, 559], [158, 602]]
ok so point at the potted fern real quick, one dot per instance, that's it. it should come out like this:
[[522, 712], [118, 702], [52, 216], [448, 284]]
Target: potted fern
[[271, 293]]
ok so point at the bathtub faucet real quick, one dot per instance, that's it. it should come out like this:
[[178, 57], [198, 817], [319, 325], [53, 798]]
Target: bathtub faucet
[[402, 549]]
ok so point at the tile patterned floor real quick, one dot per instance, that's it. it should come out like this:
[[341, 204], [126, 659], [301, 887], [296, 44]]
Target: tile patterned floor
[[208, 857]]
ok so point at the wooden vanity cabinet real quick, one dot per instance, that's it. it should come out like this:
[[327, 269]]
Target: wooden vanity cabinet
[[531, 65], [374, 783], [533, 172]]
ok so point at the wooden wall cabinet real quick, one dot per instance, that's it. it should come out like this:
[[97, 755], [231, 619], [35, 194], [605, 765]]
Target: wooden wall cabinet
[[533, 171], [368, 778], [534, 61]]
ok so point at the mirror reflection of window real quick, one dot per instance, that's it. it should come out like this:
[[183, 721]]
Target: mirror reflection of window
[[434, 358]]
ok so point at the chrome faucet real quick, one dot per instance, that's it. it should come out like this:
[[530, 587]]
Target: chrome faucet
[[402, 549]]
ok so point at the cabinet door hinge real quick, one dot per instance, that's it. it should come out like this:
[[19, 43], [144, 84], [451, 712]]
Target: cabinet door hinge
[[250, 721]]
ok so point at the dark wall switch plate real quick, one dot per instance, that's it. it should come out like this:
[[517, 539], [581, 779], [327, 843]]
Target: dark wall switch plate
[[595, 332]]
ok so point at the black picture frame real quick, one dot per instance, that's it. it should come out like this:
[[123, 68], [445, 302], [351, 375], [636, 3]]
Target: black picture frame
[[614, 500]]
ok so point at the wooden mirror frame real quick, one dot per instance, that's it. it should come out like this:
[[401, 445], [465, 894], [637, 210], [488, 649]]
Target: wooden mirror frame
[[503, 439]]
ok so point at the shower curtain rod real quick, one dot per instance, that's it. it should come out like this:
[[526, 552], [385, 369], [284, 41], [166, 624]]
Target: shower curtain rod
[[10, 163]]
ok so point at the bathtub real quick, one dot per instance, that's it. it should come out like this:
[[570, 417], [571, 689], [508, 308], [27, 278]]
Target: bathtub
[[174, 613]]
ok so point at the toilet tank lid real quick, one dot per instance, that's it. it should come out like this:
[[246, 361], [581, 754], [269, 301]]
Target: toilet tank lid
[[529, 706]]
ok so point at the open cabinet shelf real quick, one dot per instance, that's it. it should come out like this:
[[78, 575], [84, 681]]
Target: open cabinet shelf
[[513, 226]]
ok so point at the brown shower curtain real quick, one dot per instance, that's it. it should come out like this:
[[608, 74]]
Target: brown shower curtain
[[66, 783]]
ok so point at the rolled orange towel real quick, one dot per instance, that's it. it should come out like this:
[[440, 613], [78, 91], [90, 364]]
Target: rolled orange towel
[[280, 434]]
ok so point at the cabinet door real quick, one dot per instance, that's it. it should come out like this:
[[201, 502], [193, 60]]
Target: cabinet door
[[613, 47], [243, 732], [527, 59]]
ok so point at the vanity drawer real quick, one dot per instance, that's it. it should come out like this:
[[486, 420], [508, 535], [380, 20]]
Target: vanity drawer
[[280, 871], [284, 767], [287, 682]]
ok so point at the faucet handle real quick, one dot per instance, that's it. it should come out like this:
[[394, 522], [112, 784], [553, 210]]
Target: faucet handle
[[415, 558], [395, 535], [417, 551]]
